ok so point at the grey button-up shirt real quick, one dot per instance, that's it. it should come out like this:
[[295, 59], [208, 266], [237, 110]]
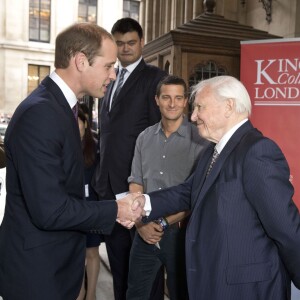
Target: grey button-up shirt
[[161, 162]]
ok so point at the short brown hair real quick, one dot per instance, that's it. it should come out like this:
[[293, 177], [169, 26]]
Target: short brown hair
[[81, 37], [171, 80]]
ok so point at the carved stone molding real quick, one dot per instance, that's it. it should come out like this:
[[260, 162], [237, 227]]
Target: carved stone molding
[[267, 5]]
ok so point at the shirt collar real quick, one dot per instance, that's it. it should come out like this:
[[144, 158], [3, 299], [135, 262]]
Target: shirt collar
[[223, 141], [131, 67], [68, 93], [182, 129]]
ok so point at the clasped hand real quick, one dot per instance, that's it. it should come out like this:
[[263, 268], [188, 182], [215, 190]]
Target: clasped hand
[[151, 232], [130, 209]]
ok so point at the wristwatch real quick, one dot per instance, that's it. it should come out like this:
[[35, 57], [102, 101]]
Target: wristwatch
[[163, 223]]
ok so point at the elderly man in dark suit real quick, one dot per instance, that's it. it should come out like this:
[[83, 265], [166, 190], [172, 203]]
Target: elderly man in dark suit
[[243, 236], [42, 237], [127, 109]]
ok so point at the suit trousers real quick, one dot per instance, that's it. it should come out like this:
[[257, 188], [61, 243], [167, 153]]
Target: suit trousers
[[146, 259]]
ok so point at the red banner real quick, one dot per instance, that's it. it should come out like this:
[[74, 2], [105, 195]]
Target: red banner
[[270, 70]]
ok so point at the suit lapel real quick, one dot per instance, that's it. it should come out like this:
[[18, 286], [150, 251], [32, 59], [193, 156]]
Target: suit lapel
[[200, 170], [206, 183], [106, 99], [131, 80], [60, 99], [58, 95]]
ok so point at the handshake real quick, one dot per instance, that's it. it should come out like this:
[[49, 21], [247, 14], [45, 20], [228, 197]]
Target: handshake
[[130, 209]]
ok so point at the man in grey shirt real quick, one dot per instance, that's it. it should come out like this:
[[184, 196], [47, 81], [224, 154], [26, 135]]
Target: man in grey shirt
[[165, 155]]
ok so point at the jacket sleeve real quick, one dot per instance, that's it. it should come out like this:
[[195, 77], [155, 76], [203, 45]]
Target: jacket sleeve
[[171, 200], [47, 156]]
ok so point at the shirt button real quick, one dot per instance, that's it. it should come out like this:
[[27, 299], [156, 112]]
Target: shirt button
[[164, 156], [159, 188], [161, 173]]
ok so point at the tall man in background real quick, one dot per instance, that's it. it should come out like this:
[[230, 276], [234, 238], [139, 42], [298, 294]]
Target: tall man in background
[[42, 236], [127, 109]]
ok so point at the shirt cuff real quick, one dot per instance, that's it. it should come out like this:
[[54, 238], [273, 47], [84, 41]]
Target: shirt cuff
[[147, 207]]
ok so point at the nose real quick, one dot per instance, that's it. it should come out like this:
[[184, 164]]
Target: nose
[[112, 74], [125, 47], [172, 102], [194, 115]]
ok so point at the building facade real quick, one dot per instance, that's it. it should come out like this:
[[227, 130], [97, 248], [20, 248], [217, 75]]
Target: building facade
[[28, 29], [277, 17]]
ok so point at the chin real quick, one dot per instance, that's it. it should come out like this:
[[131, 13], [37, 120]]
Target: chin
[[100, 95], [202, 133]]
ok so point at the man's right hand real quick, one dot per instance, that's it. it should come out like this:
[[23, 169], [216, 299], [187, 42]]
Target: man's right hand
[[151, 232], [130, 210]]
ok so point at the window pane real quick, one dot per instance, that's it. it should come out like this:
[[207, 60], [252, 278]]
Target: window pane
[[131, 9], [39, 20], [32, 78], [126, 5], [82, 13], [205, 71], [87, 11], [36, 74], [44, 71], [92, 14], [135, 7]]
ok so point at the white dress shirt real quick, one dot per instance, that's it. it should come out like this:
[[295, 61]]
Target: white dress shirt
[[129, 69], [68, 93]]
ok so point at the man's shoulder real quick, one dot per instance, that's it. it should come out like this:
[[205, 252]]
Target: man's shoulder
[[151, 69], [149, 131]]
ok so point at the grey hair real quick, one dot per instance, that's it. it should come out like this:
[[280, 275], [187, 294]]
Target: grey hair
[[226, 87]]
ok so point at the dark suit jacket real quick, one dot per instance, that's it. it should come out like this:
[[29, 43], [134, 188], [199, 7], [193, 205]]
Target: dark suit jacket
[[243, 237], [42, 237], [132, 111]]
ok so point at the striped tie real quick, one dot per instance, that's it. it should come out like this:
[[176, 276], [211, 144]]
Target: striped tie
[[120, 83], [213, 160]]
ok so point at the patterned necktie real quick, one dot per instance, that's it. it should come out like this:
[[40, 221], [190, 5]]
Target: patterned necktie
[[213, 160], [120, 84], [75, 111]]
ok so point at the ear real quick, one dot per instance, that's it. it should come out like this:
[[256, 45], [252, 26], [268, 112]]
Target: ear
[[157, 100], [85, 124], [185, 102], [229, 107], [80, 61], [142, 42]]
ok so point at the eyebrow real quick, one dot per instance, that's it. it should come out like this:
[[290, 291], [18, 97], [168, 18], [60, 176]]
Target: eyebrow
[[130, 41], [170, 95]]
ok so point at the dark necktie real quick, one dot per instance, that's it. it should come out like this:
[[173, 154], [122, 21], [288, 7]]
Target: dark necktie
[[213, 160], [75, 111], [120, 84]]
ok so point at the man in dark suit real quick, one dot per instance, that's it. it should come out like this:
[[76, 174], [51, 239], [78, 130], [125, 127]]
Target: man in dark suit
[[127, 109], [243, 236], [42, 236]]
